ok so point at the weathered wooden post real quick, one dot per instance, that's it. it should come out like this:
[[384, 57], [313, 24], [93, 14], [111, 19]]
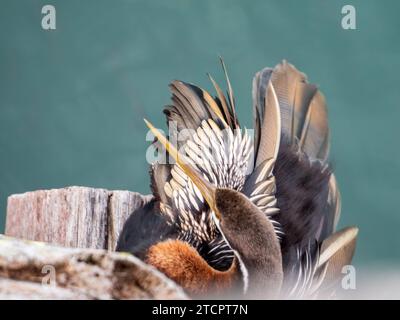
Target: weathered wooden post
[[72, 217]]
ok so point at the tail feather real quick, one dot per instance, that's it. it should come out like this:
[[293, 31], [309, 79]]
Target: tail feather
[[333, 209], [314, 139], [268, 144], [337, 251], [303, 110]]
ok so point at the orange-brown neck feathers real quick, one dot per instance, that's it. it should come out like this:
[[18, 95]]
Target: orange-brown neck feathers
[[183, 264]]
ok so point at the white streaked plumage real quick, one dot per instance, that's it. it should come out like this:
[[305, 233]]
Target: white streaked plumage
[[224, 157]]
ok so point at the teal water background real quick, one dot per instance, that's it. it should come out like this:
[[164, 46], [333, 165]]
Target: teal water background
[[72, 100]]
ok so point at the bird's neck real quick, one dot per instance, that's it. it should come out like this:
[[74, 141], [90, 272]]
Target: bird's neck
[[252, 236], [261, 268]]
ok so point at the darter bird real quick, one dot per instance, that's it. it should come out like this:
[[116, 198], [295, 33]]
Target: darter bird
[[232, 210]]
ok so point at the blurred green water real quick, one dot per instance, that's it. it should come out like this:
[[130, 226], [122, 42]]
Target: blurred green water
[[72, 100]]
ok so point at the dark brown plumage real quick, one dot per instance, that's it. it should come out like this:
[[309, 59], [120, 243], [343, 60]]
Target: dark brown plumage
[[302, 189]]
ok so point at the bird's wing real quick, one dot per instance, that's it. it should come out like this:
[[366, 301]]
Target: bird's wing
[[303, 113], [304, 123], [307, 194], [291, 128]]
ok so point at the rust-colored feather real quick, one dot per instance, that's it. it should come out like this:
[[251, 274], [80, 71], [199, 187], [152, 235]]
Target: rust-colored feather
[[183, 264]]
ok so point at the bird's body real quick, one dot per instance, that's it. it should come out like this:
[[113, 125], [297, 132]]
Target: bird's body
[[233, 212]]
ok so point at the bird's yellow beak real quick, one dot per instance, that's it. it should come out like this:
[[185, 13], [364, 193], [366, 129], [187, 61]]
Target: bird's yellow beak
[[206, 188]]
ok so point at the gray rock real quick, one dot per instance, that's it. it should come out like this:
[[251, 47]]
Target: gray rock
[[35, 270]]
